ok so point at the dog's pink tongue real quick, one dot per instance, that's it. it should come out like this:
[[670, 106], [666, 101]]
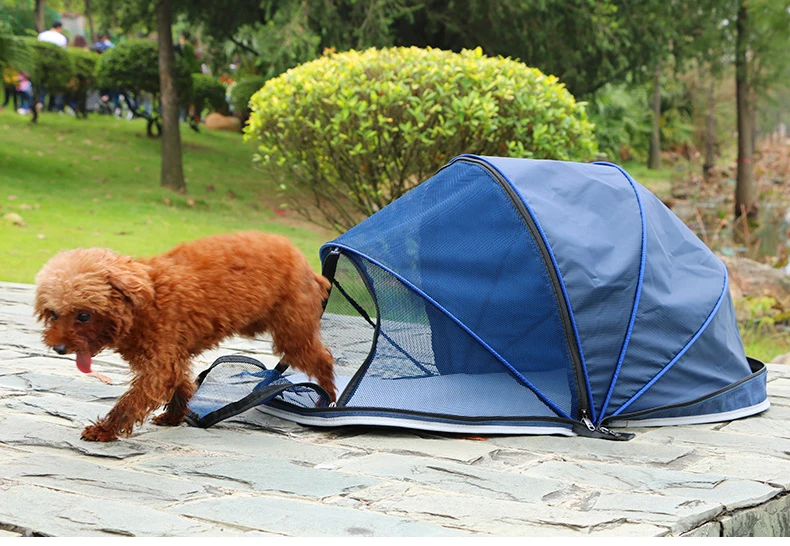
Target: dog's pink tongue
[[84, 361]]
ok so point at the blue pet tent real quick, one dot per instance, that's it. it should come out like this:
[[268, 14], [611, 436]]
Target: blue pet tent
[[520, 296]]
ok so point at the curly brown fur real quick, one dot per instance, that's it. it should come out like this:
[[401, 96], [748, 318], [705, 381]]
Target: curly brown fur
[[160, 312]]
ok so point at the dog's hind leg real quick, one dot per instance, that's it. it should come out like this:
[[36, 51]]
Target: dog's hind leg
[[298, 339], [177, 408]]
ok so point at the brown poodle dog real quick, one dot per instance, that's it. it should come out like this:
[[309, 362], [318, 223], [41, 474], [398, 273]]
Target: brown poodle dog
[[160, 312]]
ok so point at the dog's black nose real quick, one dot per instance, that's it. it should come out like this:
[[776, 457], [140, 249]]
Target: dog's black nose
[[60, 349]]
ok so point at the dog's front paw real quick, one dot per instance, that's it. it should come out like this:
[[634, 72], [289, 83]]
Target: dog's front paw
[[97, 433]]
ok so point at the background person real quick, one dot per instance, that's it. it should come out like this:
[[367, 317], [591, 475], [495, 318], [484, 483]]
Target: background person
[[54, 35]]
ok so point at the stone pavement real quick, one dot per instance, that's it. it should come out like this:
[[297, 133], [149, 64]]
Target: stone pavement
[[259, 475]]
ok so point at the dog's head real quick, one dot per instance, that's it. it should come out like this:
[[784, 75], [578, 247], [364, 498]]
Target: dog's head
[[87, 299]]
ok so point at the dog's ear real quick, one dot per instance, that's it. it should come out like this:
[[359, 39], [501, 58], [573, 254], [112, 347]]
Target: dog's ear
[[131, 279]]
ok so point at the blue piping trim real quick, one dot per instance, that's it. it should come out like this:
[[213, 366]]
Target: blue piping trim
[[559, 277], [449, 315], [682, 351], [637, 295]]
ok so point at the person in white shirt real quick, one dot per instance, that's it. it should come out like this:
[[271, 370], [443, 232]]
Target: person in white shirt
[[54, 35]]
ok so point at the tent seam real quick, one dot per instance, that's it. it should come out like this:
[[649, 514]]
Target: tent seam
[[637, 295], [556, 267], [680, 353]]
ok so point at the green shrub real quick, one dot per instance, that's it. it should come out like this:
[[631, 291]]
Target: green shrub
[[241, 93], [53, 67], [208, 93], [133, 66], [352, 132], [14, 50], [84, 63]]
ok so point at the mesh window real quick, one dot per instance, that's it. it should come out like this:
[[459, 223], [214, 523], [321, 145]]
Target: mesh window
[[423, 361], [343, 327]]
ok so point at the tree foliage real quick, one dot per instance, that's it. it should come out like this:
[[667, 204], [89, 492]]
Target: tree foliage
[[14, 51], [208, 93]]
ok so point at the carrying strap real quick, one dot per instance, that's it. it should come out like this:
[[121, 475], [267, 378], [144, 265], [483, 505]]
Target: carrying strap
[[261, 394]]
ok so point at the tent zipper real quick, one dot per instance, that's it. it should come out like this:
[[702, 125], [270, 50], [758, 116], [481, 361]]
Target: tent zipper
[[589, 430], [573, 351]]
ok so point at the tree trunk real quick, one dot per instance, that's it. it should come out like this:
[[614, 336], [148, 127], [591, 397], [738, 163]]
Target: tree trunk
[[710, 131], [172, 168], [654, 158], [745, 187], [38, 15], [89, 17]]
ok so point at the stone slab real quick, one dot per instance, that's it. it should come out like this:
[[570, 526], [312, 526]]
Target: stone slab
[[261, 474], [91, 478], [29, 431], [449, 476], [54, 513], [300, 518]]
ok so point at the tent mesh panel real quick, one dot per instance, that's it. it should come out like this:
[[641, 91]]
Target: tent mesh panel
[[423, 361]]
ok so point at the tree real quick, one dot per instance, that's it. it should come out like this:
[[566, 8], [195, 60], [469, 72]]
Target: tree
[[172, 167], [745, 188], [762, 58], [129, 14]]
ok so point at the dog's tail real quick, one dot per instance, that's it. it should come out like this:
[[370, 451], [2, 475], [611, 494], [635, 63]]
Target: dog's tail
[[323, 284]]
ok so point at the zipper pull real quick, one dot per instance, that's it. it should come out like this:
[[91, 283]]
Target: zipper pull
[[587, 422], [589, 430]]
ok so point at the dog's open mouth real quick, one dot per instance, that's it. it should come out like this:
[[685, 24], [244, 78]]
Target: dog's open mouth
[[84, 361]]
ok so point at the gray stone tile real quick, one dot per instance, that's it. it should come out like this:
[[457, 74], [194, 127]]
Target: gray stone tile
[[766, 469], [777, 370], [759, 427], [637, 451], [413, 444], [262, 473], [776, 412], [716, 441], [24, 430], [249, 442], [94, 477], [779, 390], [298, 518], [77, 385], [731, 493], [55, 513], [449, 476], [509, 518], [78, 411]]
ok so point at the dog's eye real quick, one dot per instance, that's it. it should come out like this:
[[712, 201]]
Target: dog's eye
[[83, 317], [54, 315]]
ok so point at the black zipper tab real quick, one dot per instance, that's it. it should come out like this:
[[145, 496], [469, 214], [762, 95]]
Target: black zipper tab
[[588, 430]]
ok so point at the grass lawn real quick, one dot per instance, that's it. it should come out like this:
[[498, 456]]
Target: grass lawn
[[95, 182]]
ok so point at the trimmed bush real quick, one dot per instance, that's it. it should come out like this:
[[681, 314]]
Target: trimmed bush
[[208, 93], [351, 132], [242, 92], [84, 63], [53, 67], [133, 67]]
